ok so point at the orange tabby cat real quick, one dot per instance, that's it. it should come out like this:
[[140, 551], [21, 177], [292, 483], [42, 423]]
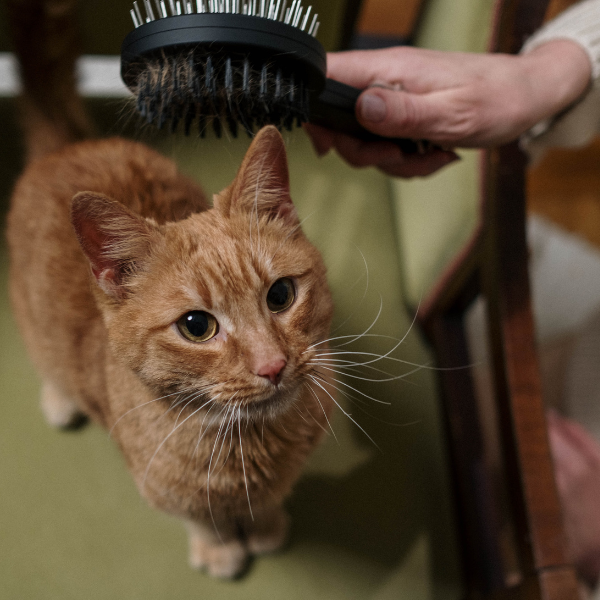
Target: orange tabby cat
[[188, 331]]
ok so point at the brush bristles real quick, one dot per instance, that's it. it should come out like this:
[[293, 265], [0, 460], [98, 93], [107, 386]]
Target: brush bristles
[[219, 89], [276, 10]]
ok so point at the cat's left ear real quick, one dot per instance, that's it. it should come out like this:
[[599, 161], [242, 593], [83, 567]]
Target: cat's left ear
[[262, 184], [115, 240]]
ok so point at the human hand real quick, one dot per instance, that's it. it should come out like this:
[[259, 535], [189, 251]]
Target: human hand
[[452, 99], [577, 471]]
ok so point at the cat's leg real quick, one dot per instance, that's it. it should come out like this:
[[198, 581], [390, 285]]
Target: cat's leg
[[268, 531], [59, 410], [222, 554]]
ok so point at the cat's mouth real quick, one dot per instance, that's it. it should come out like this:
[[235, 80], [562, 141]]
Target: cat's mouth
[[273, 404]]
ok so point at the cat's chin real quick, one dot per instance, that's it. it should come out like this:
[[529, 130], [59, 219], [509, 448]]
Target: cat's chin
[[279, 402]]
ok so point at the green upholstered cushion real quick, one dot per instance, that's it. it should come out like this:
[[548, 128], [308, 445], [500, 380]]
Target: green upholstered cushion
[[436, 215]]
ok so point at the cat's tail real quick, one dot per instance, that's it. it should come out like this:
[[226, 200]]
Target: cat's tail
[[46, 41]]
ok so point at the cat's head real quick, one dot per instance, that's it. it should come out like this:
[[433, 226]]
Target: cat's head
[[225, 304]]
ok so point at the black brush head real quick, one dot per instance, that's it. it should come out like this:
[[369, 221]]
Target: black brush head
[[236, 71]]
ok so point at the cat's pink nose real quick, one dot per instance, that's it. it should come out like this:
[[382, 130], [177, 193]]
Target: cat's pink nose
[[272, 370]]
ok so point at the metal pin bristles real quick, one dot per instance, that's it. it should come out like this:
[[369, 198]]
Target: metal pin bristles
[[275, 10]]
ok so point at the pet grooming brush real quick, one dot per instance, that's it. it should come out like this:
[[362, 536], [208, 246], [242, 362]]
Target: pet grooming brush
[[235, 63]]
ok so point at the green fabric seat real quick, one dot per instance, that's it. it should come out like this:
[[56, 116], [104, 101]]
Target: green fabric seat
[[368, 522]]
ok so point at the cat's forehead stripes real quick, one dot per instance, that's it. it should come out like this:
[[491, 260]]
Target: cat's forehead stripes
[[220, 266], [222, 260]]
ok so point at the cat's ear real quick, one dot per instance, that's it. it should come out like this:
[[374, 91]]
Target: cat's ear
[[262, 184], [115, 240]]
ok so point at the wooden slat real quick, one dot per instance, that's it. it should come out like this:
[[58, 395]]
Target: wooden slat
[[518, 385], [477, 507]]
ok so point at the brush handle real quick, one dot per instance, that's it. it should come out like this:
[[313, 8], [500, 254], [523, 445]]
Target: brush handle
[[335, 107]]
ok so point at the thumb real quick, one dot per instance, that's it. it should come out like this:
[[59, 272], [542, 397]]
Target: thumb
[[394, 113]]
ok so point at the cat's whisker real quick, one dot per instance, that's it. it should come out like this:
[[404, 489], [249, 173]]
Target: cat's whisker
[[227, 419], [230, 428], [243, 463], [347, 385], [208, 473], [352, 287], [140, 406], [307, 386], [399, 360], [347, 365], [201, 435], [185, 467], [353, 364], [343, 411], [331, 354], [191, 396], [391, 378], [299, 413], [202, 432], [353, 337], [343, 337], [399, 342], [224, 411], [358, 403], [175, 428], [183, 408], [324, 413]]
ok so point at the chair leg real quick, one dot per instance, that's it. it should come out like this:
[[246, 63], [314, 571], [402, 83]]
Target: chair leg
[[477, 510]]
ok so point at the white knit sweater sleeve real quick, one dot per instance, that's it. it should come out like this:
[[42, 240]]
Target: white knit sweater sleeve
[[580, 123]]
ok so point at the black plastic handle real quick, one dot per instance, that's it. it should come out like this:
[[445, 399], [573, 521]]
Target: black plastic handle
[[334, 108]]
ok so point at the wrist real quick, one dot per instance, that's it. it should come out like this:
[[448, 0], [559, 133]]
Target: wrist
[[559, 72]]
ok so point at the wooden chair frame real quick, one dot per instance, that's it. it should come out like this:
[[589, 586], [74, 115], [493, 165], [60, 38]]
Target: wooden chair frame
[[494, 265]]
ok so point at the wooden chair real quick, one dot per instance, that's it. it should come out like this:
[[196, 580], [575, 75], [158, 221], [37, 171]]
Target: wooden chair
[[494, 265]]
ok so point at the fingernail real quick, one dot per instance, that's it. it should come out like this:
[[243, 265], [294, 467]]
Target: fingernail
[[372, 108]]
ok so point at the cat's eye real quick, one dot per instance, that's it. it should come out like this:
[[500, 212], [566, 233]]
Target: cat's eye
[[281, 295], [198, 326]]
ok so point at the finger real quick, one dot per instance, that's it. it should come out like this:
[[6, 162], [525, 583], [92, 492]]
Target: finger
[[358, 68], [402, 64], [388, 157], [419, 165], [359, 153], [419, 116], [321, 138]]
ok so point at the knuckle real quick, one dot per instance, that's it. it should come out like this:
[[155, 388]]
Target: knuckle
[[462, 124], [405, 115]]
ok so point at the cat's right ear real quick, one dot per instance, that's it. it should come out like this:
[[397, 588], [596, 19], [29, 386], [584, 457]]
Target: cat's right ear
[[262, 184], [115, 240]]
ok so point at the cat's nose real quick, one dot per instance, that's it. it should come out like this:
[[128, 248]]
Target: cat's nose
[[272, 370]]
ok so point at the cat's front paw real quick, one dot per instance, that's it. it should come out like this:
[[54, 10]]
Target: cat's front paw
[[224, 559]]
